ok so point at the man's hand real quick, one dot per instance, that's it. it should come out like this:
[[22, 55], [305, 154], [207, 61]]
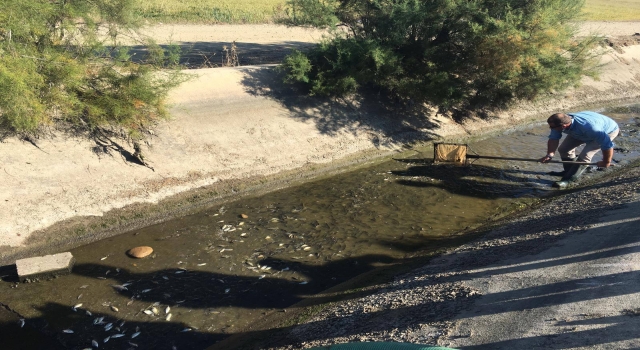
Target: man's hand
[[545, 159]]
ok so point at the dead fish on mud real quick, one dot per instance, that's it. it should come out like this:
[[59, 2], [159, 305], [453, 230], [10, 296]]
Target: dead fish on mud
[[68, 331], [119, 288], [135, 335]]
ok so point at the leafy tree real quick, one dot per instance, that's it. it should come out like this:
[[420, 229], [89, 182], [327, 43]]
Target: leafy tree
[[448, 53], [62, 64]]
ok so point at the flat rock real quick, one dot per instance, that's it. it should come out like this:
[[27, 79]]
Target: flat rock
[[140, 252], [48, 266]]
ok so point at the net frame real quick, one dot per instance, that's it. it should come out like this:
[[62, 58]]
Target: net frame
[[450, 153]]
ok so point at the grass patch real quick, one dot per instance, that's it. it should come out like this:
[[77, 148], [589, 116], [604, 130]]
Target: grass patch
[[209, 11], [607, 10]]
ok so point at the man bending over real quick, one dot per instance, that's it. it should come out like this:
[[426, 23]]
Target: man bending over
[[594, 130]]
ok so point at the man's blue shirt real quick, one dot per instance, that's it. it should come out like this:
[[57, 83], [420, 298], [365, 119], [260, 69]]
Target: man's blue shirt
[[588, 127]]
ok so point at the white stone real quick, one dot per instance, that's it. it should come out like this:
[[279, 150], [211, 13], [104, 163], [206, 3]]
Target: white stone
[[44, 266]]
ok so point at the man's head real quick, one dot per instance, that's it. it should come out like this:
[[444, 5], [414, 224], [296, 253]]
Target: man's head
[[559, 121]]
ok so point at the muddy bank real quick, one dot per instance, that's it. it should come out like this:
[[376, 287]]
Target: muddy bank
[[234, 131]]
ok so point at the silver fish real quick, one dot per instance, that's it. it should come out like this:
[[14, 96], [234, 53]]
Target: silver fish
[[168, 318], [88, 313], [146, 290], [113, 308], [154, 310], [22, 322], [148, 312], [135, 335], [107, 339], [68, 331], [133, 344], [119, 288], [94, 343], [108, 327], [167, 309], [76, 306], [117, 335]]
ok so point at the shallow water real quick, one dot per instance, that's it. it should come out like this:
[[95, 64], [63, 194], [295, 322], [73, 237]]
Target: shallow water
[[219, 270]]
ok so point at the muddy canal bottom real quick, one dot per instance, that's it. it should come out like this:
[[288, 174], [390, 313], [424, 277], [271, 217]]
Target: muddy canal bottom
[[214, 273]]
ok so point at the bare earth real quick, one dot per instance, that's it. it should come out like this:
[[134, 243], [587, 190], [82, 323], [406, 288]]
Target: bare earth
[[235, 130]]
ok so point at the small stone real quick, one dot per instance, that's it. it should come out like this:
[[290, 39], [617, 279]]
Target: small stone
[[140, 252], [47, 266], [244, 216]]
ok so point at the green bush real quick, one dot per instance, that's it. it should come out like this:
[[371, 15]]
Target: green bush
[[448, 53], [62, 66]]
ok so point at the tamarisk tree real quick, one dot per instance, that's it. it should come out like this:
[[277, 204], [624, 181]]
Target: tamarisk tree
[[447, 53], [62, 64]]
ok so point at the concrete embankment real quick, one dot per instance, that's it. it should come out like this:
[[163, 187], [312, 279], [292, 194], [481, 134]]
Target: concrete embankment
[[233, 130]]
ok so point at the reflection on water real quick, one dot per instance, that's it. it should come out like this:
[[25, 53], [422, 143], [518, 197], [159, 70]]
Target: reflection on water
[[213, 273]]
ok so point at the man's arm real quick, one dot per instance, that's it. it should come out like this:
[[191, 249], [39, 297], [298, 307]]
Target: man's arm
[[552, 146], [607, 156]]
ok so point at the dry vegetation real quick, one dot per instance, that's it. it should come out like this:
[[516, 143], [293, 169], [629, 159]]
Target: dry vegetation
[[264, 11], [607, 10]]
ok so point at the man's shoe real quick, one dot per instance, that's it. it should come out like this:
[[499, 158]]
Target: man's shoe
[[566, 166], [571, 176], [561, 184]]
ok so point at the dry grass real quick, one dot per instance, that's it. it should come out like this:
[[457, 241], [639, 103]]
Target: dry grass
[[209, 11], [262, 11], [612, 10]]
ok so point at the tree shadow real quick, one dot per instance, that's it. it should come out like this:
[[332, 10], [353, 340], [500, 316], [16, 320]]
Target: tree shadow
[[389, 122], [211, 54], [476, 180]]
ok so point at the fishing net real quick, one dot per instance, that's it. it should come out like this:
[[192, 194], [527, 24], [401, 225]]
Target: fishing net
[[449, 152]]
